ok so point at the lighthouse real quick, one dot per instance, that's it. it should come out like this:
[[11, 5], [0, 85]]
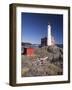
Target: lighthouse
[[49, 43], [49, 40]]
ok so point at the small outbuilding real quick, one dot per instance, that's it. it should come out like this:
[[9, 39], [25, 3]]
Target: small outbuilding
[[28, 51]]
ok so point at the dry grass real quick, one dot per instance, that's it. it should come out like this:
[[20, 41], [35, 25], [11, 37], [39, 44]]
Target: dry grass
[[35, 68]]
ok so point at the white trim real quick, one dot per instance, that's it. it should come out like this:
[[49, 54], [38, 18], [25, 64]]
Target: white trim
[[63, 77]]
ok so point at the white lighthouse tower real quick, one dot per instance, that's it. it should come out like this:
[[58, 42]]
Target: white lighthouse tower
[[49, 43]]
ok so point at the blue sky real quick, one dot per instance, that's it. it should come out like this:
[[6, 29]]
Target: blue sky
[[34, 27]]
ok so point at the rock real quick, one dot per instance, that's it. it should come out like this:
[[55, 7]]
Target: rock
[[39, 66], [50, 56], [53, 49]]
